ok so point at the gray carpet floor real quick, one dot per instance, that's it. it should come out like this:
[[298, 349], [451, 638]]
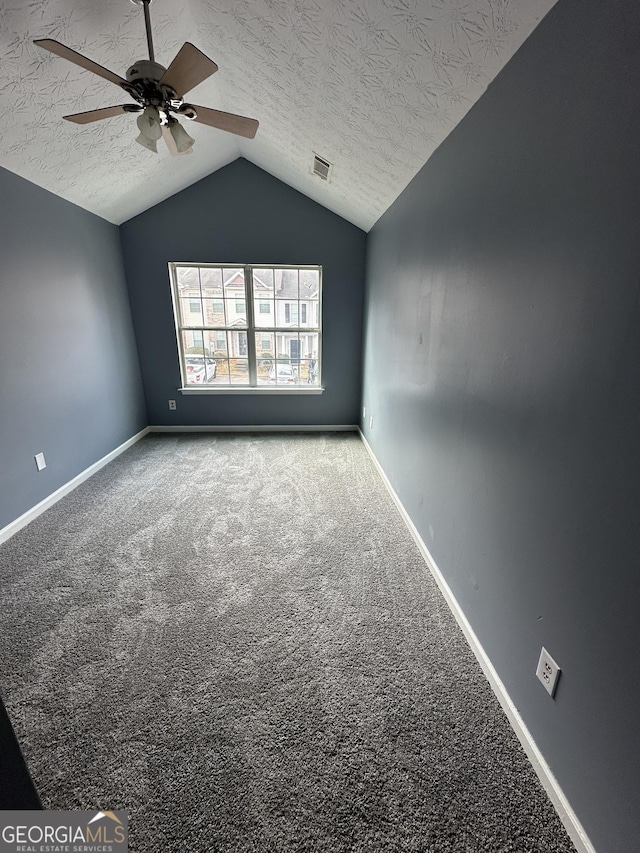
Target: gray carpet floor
[[234, 638]]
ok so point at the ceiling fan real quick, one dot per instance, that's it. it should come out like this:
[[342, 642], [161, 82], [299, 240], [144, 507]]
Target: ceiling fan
[[159, 93]]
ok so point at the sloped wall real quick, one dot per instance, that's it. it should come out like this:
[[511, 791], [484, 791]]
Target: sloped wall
[[241, 214], [69, 372], [502, 371]]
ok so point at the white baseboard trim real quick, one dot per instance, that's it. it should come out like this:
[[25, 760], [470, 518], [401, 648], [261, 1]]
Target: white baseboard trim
[[559, 801], [259, 428], [27, 517]]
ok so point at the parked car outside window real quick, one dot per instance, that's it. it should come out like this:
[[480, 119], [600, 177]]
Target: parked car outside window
[[284, 372], [199, 369]]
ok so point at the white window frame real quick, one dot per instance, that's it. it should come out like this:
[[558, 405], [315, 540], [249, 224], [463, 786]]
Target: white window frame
[[251, 330]]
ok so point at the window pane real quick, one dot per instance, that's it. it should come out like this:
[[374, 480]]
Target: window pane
[[293, 343], [211, 280], [190, 313], [282, 373], [309, 372], [209, 343], [236, 343], [239, 368], [265, 346], [236, 317], [188, 277], [310, 345], [263, 312], [282, 346], [192, 342], [286, 283], [213, 312], [313, 313], [263, 283], [265, 354], [233, 284], [309, 283], [223, 375], [286, 313], [233, 277], [200, 369], [220, 343]]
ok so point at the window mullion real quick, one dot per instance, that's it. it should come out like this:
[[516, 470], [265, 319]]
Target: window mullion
[[251, 336]]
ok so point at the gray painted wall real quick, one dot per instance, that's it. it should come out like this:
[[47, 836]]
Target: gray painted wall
[[241, 214], [69, 375], [502, 368]]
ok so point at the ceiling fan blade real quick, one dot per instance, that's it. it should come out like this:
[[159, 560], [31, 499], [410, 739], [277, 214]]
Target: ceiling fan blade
[[239, 125], [171, 145], [189, 67], [78, 59], [98, 115]]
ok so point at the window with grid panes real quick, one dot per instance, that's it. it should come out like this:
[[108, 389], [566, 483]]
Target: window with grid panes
[[261, 325]]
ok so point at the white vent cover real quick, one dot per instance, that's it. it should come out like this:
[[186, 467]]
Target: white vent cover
[[321, 167]]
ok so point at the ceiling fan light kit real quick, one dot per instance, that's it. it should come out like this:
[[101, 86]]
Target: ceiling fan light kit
[[150, 128], [180, 136], [159, 94], [149, 144]]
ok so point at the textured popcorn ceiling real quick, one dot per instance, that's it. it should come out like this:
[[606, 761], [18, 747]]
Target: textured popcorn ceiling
[[373, 86]]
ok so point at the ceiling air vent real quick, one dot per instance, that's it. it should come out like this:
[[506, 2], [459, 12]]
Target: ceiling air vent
[[321, 167]]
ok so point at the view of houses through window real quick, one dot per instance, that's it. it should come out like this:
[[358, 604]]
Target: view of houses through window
[[248, 326]]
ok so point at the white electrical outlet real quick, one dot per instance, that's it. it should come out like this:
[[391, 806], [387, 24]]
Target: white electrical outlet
[[40, 462], [371, 422], [548, 672], [172, 405], [364, 412]]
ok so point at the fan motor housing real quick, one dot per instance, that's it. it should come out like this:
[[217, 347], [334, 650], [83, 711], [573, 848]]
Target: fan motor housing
[[145, 69]]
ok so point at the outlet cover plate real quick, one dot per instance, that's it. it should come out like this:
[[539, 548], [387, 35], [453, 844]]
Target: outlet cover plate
[[548, 672], [40, 462]]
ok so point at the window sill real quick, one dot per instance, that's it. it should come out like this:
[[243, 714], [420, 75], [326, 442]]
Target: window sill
[[227, 389]]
